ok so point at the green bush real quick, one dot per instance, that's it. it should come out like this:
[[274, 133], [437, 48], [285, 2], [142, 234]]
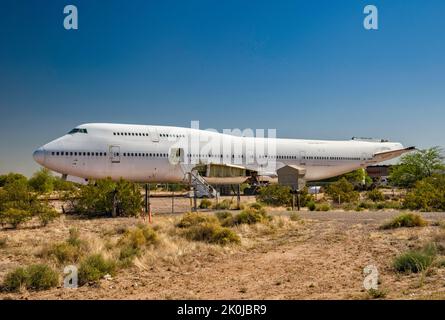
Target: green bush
[[225, 218], [377, 294], [211, 233], [406, 220], [15, 217], [311, 206], [42, 181], [69, 251], [275, 195], [46, 215], [194, 218], [375, 195], [323, 207], [416, 166], [9, 178], [223, 205], [205, 204], [427, 195], [98, 198], [133, 241], [64, 252], [413, 261], [16, 280], [251, 215], [95, 267], [342, 191], [34, 277]]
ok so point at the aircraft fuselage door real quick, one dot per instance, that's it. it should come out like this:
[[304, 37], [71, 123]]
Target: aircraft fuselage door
[[303, 158], [154, 135], [115, 154], [176, 155]]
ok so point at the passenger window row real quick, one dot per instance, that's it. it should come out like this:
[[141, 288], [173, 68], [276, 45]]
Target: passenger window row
[[144, 134], [144, 154], [330, 158], [75, 153]]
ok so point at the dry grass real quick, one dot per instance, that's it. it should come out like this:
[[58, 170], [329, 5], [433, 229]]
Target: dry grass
[[284, 257]]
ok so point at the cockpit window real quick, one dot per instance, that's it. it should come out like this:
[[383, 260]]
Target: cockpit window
[[76, 130]]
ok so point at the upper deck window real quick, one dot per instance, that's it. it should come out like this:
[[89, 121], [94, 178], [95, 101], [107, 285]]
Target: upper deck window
[[76, 130]]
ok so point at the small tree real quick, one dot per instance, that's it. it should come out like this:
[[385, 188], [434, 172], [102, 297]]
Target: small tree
[[99, 198], [42, 181], [427, 195], [416, 166], [342, 191], [275, 195]]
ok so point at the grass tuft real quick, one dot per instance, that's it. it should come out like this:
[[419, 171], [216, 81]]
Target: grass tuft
[[405, 220]]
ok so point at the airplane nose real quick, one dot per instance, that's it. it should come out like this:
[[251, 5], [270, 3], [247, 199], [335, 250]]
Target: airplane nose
[[39, 156]]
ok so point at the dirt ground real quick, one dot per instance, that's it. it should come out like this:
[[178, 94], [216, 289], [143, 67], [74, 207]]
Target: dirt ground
[[320, 256]]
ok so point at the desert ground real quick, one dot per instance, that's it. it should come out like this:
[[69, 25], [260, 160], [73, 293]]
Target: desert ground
[[320, 255]]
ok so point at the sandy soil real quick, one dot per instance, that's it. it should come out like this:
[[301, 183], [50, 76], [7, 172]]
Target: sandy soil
[[321, 256]]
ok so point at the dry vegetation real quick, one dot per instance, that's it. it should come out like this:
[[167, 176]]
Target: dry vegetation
[[254, 253]]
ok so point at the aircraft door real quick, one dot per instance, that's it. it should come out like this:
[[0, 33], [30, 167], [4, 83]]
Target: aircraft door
[[115, 154], [154, 135], [176, 155], [303, 158]]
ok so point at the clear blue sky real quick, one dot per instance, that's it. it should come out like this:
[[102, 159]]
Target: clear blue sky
[[307, 68]]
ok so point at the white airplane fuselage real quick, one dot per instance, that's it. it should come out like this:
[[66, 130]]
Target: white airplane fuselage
[[144, 153]]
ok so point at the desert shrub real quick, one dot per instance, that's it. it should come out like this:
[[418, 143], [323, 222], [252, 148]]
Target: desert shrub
[[16, 194], [205, 204], [139, 236], [70, 250], [46, 215], [16, 280], [225, 218], [211, 233], [380, 205], [406, 220], [223, 205], [275, 195], [311, 206], [98, 198], [366, 205], [95, 267], [256, 206], [376, 293], [34, 277], [221, 215], [427, 195], [133, 241], [323, 207], [64, 252], [42, 277], [42, 181], [12, 177], [194, 218], [414, 260], [63, 185], [375, 195], [251, 216], [15, 217], [342, 191], [74, 237]]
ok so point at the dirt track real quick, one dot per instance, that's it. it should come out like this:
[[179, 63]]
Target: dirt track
[[321, 257]]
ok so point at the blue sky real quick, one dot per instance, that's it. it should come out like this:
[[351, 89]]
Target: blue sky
[[307, 68]]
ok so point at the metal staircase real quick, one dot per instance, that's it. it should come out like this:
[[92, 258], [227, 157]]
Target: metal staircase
[[201, 186]]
